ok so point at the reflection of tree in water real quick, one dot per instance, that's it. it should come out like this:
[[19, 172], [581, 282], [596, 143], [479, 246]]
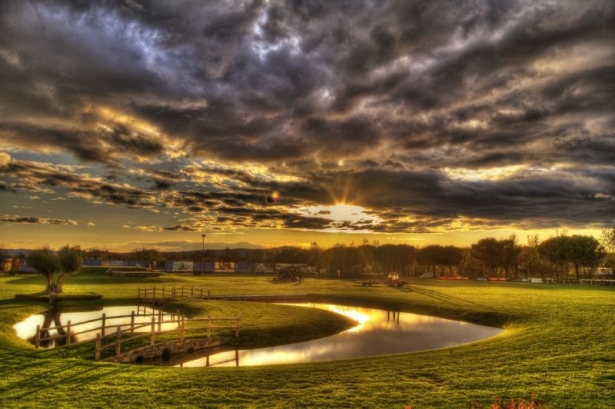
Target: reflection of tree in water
[[52, 328]]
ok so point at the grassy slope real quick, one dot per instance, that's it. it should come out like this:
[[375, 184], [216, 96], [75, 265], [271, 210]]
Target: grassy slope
[[559, 342]]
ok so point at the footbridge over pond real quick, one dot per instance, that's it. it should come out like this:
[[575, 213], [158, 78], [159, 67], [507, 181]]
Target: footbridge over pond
[[163, 344]]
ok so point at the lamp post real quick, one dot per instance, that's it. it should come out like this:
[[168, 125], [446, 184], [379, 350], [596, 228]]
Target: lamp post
[[203, 255]]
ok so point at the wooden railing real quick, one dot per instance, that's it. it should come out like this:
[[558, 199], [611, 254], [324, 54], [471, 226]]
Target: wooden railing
[[118, 334], [67, 331], [181, 329], [596, 281], [173, 293]]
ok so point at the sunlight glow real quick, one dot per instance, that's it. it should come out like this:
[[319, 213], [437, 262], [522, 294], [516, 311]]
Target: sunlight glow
[[341, 215], [491, 174]]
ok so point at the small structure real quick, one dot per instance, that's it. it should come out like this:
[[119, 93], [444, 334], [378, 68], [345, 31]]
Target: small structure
[[131, 272], [393, 280], [289, 274]]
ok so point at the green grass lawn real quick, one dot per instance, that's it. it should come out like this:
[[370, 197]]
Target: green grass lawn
[[559, 342]]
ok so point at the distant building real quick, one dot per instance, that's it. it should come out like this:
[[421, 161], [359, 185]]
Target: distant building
[[12, 264]]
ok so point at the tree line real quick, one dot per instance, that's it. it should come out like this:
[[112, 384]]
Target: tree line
[[556, 257], [560, 257]]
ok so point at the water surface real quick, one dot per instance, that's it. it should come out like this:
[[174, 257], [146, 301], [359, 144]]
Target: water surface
[[86, 322], [378, 332]]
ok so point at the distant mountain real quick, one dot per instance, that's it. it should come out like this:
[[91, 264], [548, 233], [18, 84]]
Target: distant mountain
[[233, 246]]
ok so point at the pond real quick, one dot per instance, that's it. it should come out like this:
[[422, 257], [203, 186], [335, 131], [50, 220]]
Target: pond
[[88, 322], [378, 332]]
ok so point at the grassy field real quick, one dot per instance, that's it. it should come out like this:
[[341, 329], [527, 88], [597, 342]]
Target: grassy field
[[559, 342]]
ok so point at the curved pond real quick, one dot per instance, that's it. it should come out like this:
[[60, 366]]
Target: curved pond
[[378, 332]]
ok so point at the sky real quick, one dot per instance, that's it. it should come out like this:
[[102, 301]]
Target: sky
[[130, 124]]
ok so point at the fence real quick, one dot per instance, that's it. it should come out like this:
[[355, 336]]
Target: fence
[[67, 332], [181, 330], [173, 293], [118, 334], [598, 282]]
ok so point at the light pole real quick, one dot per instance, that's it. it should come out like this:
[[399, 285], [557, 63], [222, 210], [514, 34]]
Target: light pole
[[203, 255]]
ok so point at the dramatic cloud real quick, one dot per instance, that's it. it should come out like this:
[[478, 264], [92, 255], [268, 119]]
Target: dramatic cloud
[[429, 116], [35, 220]]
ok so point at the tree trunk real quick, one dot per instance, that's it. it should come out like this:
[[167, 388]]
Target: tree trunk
[[60, 282], [50, 284]]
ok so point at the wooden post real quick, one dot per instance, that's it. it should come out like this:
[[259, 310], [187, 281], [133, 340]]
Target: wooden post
[[236, 357], [159, 320], [153, 336], [37, 336], [154, 296], [118, 341], [182, 326], [208, 327], [132, 321], [104, 321], [97, 353], [237, 329], [68, 333]]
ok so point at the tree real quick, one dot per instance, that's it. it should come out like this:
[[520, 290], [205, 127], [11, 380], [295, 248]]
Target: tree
[[436, 255], [315, 256], [431, 256], [2, 258], [580, 251], [497, 253], [487, 251], [148, 256], [585, 251], [509, 254], [530, 261], [451, 256], [66, 261], [607, 237]]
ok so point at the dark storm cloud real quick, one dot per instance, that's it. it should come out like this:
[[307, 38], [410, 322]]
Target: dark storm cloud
[[88, 146], [36, 220], [407, 107], [49, 178], [181, 228]]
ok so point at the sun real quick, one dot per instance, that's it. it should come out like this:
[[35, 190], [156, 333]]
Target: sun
[[341, 214]]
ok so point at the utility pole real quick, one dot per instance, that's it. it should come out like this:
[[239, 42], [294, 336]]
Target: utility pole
[[203, 255]]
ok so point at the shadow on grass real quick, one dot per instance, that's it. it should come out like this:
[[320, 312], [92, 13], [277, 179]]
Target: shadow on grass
[[74, 374], [449, 299]]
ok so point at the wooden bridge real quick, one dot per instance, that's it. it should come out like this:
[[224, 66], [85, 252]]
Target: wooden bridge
[[68, 334], [125, 340], [174, 341]]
